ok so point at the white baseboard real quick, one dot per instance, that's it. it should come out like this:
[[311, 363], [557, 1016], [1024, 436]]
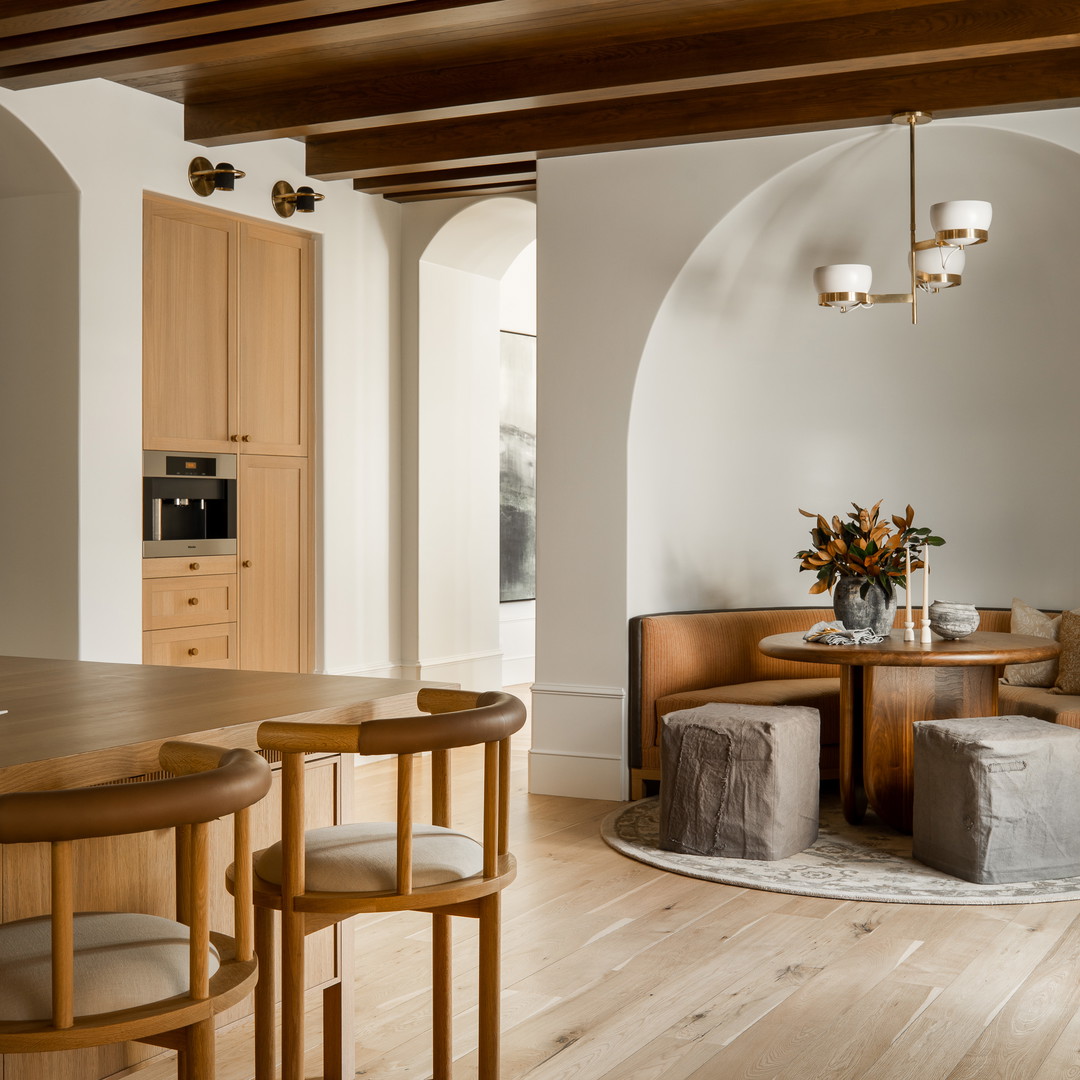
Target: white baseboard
[[579, 741], [578, 776], [518, 669]]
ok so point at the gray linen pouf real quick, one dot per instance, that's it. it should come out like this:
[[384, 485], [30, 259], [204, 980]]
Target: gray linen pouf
[[739, 781], [997, 798]]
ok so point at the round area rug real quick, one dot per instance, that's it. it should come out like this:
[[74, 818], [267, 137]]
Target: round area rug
[[847, 862]]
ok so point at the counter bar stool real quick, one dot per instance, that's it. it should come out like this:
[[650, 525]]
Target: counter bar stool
[[326, 875], [76, 979]]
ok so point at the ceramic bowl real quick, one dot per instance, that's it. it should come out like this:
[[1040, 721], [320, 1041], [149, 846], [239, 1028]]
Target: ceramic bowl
[[951, 620]]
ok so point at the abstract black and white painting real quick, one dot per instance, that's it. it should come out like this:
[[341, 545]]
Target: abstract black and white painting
[[517, 467]]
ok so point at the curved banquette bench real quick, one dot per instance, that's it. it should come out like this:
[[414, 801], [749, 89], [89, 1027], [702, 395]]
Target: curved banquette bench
[[682, 659]]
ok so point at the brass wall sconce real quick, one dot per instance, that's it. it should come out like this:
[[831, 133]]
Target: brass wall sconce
[[287, 202], [205, 178]]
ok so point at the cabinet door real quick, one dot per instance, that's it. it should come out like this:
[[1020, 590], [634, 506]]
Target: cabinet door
[[276, 580], [189, 328], [276, 340]]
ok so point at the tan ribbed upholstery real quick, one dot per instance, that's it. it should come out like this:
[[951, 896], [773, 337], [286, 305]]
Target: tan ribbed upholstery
[[690, 658], [711, 650]]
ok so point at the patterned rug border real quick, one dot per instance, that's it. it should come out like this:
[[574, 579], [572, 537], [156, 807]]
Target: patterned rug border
[[869, 862]]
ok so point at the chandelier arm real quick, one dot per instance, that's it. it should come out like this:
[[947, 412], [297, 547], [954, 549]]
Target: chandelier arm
[[891, 298]]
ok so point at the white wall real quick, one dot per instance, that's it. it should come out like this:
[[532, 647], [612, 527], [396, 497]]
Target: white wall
[[692, 395], [114, 143]]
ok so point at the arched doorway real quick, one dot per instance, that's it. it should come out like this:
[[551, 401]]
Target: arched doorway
[[450, 624]]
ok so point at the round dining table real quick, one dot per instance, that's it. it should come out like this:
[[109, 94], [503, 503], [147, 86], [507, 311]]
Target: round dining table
[[886, 687]]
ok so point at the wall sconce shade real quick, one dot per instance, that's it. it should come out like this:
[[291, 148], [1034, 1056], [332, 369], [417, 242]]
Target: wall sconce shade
[[205, 178], [287, 202]]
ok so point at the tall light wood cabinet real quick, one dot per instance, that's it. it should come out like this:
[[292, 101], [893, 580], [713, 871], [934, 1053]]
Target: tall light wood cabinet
[[275, 562], [228, 366]]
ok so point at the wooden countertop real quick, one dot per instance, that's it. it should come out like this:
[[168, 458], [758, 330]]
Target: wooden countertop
[[76, 722]]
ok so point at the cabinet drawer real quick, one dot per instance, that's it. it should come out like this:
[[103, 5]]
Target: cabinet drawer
[[192, 646], [194, 601], [185, 566]]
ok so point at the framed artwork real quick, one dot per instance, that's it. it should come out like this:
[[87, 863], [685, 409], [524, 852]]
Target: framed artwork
[[517, 467]]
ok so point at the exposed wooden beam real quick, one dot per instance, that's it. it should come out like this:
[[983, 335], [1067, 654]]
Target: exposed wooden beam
[[520, 172], [838, 100], [952, 32], [438, 192]]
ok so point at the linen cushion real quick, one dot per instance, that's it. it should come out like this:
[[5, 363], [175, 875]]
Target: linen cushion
[[363, 857], [1035, 623], [997, 798], [739, 781], [121, 961], [1068, 674]]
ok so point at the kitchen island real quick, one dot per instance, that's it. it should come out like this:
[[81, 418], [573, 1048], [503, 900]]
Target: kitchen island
[[71, 723]]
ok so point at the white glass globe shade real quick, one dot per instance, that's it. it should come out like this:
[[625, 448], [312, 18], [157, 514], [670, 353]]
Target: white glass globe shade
[[961, 214], [843, 278], [940, 260]]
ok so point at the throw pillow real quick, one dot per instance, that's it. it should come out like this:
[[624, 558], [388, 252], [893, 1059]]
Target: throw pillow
[[1068, 676], [1035, 623]]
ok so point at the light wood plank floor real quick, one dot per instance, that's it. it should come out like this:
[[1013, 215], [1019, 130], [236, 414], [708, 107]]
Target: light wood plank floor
[[616, 971]]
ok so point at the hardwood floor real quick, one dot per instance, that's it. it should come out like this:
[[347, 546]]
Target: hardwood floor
[[616, 971]]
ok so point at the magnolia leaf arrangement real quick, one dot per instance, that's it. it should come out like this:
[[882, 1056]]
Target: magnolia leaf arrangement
[[864, 547]]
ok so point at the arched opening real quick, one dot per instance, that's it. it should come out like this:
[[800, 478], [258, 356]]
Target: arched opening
[[451, 621], [39, 397]]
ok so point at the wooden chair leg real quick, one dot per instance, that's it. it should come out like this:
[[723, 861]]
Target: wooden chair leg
[[265, 1020], [442, 1039], [335, 1026], [490, 986], [292, 996], [199, 1057]]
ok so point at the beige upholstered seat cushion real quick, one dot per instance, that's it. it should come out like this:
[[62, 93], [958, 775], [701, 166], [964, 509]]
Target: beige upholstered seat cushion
[[121, 961], [1041, 702], [820, 694], [363, 857]]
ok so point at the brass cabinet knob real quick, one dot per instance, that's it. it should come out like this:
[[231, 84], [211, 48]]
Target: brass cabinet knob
[[234, 438], [193, 601], [193, 566], [246, 562], [193, 652], [246, 438]]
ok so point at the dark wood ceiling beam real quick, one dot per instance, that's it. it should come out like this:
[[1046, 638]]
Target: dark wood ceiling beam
[[837, 100], [972, 28], [153, 42], [509, 172], [457, 193]]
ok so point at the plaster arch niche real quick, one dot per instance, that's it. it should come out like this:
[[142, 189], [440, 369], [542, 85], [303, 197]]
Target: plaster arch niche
[[39, 397], [455, 607], [751, 401]]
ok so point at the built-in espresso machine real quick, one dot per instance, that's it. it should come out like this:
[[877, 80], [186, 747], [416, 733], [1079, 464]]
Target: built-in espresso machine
[[189, 504]]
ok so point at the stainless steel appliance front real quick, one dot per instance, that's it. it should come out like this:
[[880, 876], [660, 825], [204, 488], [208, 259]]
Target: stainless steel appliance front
[[189, 504]]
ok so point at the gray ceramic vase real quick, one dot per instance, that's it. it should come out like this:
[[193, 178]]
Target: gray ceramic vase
[[857, 612], [951, 620]]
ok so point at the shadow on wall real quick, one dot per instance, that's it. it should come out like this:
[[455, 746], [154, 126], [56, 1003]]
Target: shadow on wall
[[752, 402], [39, 394]]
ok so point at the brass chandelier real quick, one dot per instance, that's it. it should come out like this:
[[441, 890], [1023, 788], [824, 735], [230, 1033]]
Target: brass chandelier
[[933, 264]]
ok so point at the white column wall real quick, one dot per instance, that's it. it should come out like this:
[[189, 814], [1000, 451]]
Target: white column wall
[[663, 481], [115, 143]]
